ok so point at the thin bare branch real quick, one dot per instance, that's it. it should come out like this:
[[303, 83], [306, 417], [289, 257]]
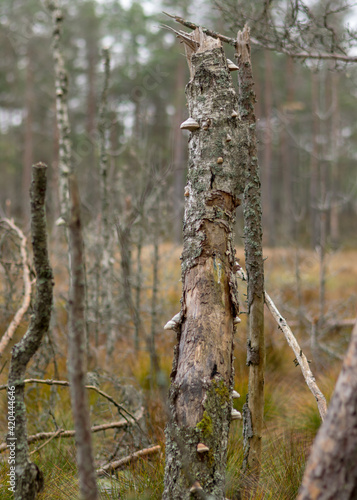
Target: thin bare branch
[[302, 54], [15, 322], [71, 433], [127, 460]]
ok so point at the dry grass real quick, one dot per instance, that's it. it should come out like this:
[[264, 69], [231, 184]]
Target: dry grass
[[291, 414]]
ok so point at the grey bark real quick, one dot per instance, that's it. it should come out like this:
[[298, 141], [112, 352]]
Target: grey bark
[[61, 82], [28, 139], [267, 174], [77, 349], [331, 472], [70, 216], [29, 479], [106, 271], [154, 360], [252, 213], [202, 373]]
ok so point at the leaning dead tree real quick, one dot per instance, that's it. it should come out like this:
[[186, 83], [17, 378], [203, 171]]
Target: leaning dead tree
[[331, 471], [29, 479], [202, 374]]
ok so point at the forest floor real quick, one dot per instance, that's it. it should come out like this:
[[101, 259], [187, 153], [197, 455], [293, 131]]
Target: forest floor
[[293, 280]]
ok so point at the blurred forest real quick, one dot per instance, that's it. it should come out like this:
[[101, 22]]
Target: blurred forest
[[307, 135]]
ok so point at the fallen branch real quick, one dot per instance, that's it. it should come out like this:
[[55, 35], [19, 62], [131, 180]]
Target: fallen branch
[[27, 288], [65, 383], [46, 442], [70, 433], [129, 459], [299, 355]]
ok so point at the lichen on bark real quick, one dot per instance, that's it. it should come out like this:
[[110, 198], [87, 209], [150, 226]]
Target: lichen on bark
[[202, 376], [29, 479]]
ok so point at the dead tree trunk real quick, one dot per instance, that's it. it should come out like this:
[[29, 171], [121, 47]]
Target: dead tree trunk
[[202, 375], [253, 413], [77, 348], [29, 479], [331, 472], [70, 215]]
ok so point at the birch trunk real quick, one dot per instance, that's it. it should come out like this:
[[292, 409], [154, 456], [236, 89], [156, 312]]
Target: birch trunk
[[202, 374], [106, 271]]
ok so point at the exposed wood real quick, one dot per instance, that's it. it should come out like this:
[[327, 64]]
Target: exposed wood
[[15, 322], [202, 374], [299, 356]]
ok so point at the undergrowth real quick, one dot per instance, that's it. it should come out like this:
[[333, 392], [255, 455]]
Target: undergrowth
[[291, 415]]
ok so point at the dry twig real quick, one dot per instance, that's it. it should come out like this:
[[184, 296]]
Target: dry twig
[[27, 288], [129, 459]]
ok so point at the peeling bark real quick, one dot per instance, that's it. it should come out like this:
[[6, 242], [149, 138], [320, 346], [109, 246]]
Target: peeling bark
[[252, 213], [29, 479], [331, 472], [202, 374]]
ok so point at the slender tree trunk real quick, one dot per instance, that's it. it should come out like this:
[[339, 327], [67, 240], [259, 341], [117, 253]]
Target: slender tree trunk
[[77, 350], [91, 101], [28, 139], [202, 374], [70, 214], [268, 205], [314, 163], [29, 479], [178, 154], [331, 472], [106, 268], [287, 158], [335, 118], [253, 412], [154, 360], [138, 289], [61, 83]]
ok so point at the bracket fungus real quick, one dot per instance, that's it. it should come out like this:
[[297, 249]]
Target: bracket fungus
[[236, 415], [232, 66], [202, 448], [174, 322], [189, 124]]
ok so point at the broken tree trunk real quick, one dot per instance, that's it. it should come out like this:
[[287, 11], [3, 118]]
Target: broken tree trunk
[[202, 375], [253, 414], [331, 472], [29, 479]]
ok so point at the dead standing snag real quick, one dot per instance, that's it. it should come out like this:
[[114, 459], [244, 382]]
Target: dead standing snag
[[202, 374], [29, 479]]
